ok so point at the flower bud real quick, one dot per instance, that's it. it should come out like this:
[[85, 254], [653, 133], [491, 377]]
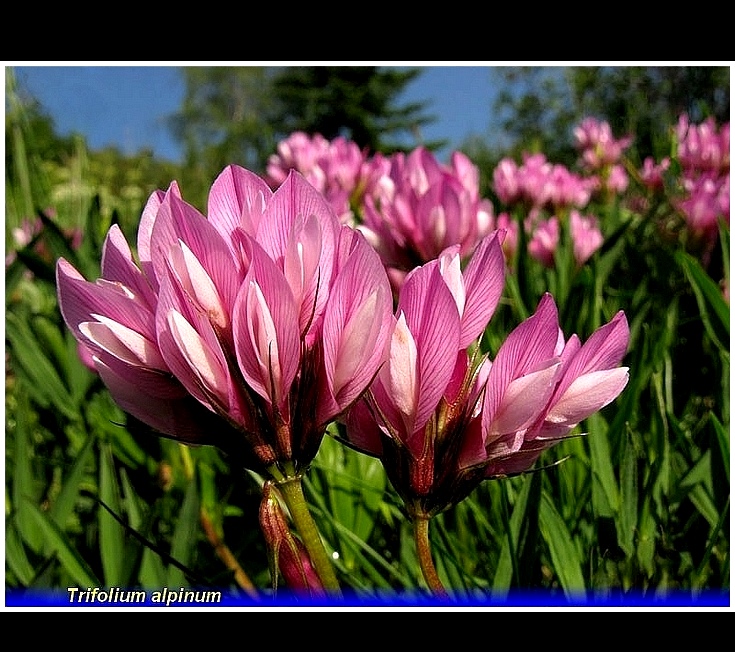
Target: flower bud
[[287, 554]]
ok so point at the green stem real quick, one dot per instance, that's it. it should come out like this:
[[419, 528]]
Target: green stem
[[423, 549], [293, 494]]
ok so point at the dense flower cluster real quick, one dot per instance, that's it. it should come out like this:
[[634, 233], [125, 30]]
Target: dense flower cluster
[[338, 169], [539, 184], [601, 154], [693, 185], [410, 207], [267, 314], [585, 235], [441, 418], [704, 154], [422, 207], [547, 194]]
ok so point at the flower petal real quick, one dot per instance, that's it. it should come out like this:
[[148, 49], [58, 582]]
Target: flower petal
[[293, 198], [588, 394], [79, 300], [205, 365], [357, 324], [484, 280], [237, 199], [530, 346], [266, 329], [176, 417], [433, 321], [118, 265], [123, 342], [524, 399], [178, 222]]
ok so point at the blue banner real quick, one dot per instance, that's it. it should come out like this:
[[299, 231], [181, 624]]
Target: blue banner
[[207, 598]]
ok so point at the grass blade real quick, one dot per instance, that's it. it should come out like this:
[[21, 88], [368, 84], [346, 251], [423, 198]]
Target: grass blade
[[184, 536], [112, 535], [67, 498], [564, 555], [79, 571]]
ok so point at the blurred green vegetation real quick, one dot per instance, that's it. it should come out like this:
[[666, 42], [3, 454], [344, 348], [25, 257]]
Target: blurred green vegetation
[[641, 503]]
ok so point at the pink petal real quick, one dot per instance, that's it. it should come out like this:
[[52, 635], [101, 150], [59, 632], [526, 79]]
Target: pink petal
[[206, 365], [149, 382], [175, 417], [177, 222], [484, 280], [237, 199], [301, 267], [402, 374], [357, 343], [604, 349], [357, 323], [451, 270], [296, 197], [79, 300], [122, 342], [588, 394], [118, 265], [145, 230], [523, 400], [473, 445], [362, 430], [528, 347], [266, 329], [171, 301], [433, 320], [197, 285]]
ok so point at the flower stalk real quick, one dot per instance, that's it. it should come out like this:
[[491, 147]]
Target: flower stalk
[[423, 549], [291, 489]]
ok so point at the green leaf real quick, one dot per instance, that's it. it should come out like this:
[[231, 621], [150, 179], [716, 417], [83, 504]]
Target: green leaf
[[717, 530], [67, 497], [79, 377], [723, 439], [184, 536], [59, 544], [43, 381], [354, 490], [646, 539], [15, 556], [627, 519], [373, 564], [702, 500], [709, 296], [144, 561], [112, 535], [25, 486], [605, 494], [508, 563], [362, 557], [108, 422], [564, 554]]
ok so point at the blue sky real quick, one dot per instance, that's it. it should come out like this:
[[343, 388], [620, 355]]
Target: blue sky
[[126, 105]]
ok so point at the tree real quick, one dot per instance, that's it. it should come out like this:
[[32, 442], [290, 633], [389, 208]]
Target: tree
[[538, 106], [238, 114], [358, 102], [225, 118]]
